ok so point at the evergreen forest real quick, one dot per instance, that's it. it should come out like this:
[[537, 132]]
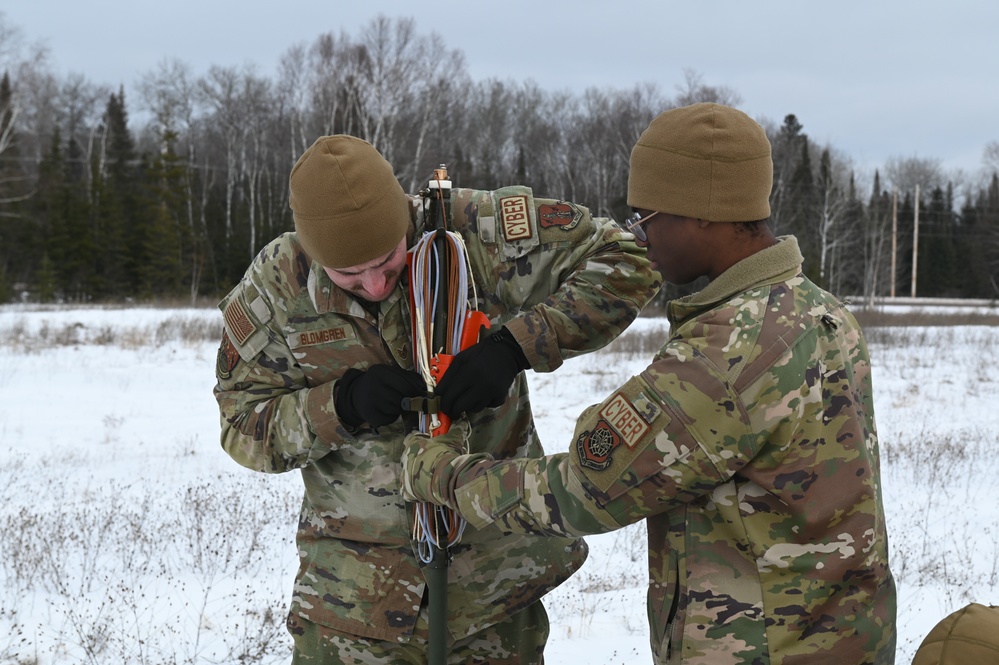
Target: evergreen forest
[[168, 193]]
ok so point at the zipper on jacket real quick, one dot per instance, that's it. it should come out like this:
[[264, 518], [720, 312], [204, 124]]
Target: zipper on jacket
[[672, 617]]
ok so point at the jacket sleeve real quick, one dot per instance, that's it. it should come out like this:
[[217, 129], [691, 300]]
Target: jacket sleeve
[[272, 421], [637, 454], [563, 282]]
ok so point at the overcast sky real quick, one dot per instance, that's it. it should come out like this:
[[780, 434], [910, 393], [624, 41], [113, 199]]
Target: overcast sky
[[875, 79]]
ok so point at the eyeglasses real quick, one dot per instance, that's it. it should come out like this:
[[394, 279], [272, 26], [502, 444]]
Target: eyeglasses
[[635, 224]]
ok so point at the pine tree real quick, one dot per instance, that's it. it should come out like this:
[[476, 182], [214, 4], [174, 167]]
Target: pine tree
[[45, 280], [785, 152], [165, 239], [937, 259], [116, 225], [802, 215], [53, 272]]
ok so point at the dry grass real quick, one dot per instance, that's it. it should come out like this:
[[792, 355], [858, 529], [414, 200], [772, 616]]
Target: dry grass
[[134, 574], [20, 333]]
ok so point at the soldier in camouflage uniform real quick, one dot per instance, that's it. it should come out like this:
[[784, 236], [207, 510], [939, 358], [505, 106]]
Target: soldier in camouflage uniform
[[748, 444], [317, 355]]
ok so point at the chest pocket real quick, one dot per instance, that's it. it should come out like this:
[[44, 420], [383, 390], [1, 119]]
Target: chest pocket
[[326, 349]]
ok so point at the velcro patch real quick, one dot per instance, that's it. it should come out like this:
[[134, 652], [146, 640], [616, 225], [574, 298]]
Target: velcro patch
[[617, 447], [595, 446], [228, 357], [239, 323], [324, 336], [647, 408], [563, 215], [515, 218], [622, 416]]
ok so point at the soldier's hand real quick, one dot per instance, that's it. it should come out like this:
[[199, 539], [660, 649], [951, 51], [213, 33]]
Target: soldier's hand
[[481, 375], [375, 396], [428, 463]]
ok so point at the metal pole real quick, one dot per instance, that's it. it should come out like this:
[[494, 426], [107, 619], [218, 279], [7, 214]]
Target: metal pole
[[437, 567], [437, 605]]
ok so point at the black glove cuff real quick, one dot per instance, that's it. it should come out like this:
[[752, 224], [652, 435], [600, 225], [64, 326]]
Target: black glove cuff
[[505, 337], [343, 404]]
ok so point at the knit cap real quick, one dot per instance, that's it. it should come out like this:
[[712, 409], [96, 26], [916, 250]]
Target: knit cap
[[705, 161], [969, 636], [348, 206]]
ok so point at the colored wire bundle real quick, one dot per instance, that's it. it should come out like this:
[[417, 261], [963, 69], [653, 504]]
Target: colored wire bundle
[[439, 285]]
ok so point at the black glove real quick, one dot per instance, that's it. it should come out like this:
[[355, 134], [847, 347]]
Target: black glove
[[375, 396], [481, 375]]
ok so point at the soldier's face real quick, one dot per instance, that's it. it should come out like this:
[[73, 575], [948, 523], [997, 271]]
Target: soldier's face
[[676, 246], [375, 280]]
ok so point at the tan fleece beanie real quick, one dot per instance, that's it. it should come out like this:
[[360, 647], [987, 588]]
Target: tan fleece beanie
[[348, 206], [969, 636], [705, 161]]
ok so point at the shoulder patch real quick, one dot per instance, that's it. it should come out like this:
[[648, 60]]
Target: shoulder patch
[[622, 417], [239, 323], [246, 325], [561, 215], [515, 218], [615, 445], [228, 356], [595, 447]]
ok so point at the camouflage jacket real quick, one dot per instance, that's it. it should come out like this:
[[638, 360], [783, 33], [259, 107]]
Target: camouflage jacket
[[562, 282], [749, 445]]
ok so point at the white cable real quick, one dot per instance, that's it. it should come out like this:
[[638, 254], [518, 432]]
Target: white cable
[[424, 251]]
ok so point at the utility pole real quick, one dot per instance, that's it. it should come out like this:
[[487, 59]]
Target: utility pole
[[915, 243]]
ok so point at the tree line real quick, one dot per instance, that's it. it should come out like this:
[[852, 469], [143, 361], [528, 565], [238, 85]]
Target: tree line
[[95, 207]]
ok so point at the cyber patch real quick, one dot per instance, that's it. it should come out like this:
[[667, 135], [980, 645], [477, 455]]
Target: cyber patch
[[562, 215], [621, 415], [515, 218], [228, 357], [239, 322], [595, 447]]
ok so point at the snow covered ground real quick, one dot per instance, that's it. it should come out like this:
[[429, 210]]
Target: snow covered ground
[[129, 536]]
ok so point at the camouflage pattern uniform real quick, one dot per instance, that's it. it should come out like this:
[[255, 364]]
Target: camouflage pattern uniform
[[564, 283], [749, 444]]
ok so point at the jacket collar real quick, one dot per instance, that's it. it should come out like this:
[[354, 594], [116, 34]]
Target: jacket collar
[[769, 266]]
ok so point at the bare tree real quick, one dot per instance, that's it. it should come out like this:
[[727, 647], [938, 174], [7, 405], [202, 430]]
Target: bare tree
[[331, 76], [990, 157], [391, 50], [438, 76], [555, 117], [169, 92], [694, 91], [219, 90], [35, 91], [81, 104], [256, 103], [292, 93], [904, 173], [833, 206]]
